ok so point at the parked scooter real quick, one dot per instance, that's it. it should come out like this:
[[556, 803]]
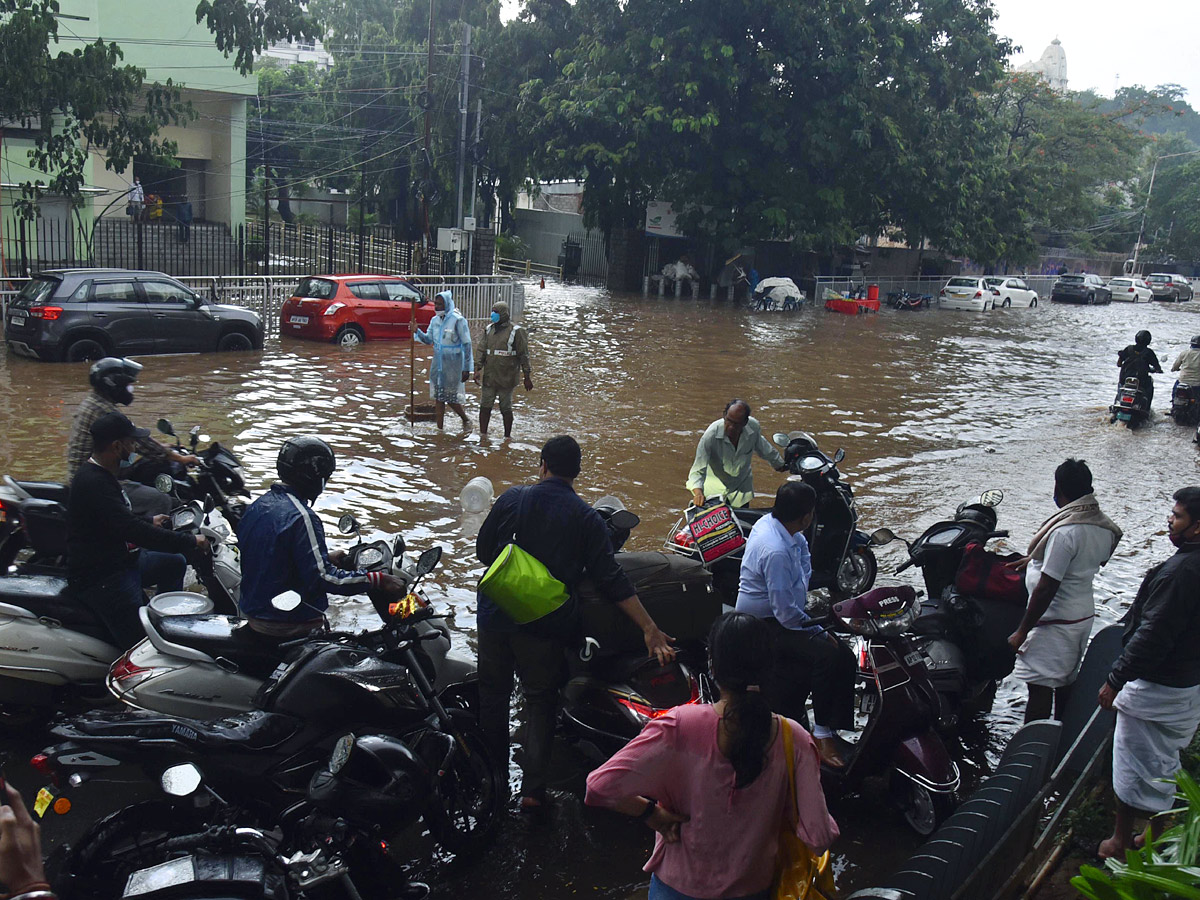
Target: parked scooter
[[193, 844], [614, 688], [206, 666], [899, 740], [1185, 404], [1132, 404], [903, 300], [421, 743], [842, 558], [55, 652]]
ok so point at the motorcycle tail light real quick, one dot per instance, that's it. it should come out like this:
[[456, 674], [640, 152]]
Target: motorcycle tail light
[[3, 514], [127, 674], [43, 765], [1126, 399], [684, 538]]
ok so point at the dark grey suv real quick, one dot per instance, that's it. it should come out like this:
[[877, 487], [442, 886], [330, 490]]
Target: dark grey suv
[[81, 314]]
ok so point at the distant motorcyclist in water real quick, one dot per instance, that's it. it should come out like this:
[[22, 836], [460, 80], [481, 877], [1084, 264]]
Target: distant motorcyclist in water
[[1139, 361]]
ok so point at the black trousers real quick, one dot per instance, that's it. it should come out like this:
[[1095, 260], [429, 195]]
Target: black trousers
[[816, 664], [540, 664]]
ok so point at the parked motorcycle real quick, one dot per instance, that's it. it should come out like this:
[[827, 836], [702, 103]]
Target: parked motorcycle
[[55, 652], [206, 666], [424, 744], [964, 638], [613, 687], [903, 300], [842, 558], [1185, 404], [1132, 404], [899, 740], [193, 844], [218, 480]]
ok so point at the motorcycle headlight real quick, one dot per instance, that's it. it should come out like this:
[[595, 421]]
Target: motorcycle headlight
[[341, 753]]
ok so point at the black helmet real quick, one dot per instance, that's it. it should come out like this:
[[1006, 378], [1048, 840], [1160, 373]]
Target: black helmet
[[1142, 338], [1196, 341], [305, 463], [983, 517], [112, 377], [373, 778]]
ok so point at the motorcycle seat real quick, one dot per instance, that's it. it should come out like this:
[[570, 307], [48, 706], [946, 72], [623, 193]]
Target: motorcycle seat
[[46, 490], [250, 731], [226, 637], [48, 597]]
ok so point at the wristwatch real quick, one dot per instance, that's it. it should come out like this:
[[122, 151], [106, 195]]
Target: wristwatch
[[651, 805]]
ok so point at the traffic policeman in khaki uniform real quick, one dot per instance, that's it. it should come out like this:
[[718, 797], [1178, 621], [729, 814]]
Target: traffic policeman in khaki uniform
[[499, 358]]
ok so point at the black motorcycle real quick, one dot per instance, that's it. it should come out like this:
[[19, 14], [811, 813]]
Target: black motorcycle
[[1132, 404], [1185, 404], [964, 638], [336, 684], [614, 687], [193, 843], [842, 559], [217, 482]]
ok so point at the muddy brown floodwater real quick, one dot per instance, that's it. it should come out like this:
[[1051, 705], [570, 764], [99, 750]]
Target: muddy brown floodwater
[[931, 408]]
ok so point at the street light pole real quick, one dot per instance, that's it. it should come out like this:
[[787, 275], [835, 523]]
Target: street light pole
[[1146, 207]]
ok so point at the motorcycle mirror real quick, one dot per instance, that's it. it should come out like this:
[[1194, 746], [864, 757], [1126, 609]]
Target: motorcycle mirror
[[287, 601], [624, 520], [347, 524], [428, 561], [992, 497], [163, 483], [398, 546], [181, 780], [881, 536], [165, 427], [780, 439], [839, 456], [195, 432], [209, 504]]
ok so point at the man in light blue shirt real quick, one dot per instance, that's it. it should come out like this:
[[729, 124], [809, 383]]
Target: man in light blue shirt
[[776, 567], [724, 454]]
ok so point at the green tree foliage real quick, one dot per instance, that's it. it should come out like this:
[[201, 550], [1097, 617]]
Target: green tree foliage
[[85, 99], [1173, 220]]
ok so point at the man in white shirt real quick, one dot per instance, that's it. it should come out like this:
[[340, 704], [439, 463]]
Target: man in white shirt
[[724, 454], [1188, 366], [1064, 557], [776, 567]]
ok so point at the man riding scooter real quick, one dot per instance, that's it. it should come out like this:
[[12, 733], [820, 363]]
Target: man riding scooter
[[283, 547], [1138, 361]]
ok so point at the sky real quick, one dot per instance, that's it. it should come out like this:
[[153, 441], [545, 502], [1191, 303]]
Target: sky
[[1110, 43]]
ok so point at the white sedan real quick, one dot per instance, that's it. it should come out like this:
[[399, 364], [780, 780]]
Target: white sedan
[[1130, 289], [967, 293], [1012, 292]]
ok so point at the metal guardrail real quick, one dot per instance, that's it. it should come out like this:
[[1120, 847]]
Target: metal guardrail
[[526, 267], [265, 294]]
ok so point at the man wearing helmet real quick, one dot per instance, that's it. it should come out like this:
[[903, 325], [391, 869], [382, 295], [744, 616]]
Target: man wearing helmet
[[1188, 366], [1139, 361], [112, 383], [283, 546]]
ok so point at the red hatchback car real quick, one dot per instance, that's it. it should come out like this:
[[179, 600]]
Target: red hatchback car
[[350, 309]]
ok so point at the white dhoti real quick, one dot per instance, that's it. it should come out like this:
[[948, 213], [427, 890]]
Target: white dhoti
[[1052, 654], [1154, 723]]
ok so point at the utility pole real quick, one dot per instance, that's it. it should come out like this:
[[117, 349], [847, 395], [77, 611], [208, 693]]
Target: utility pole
[[1150, 190], [463, 110], [362, 197], [428, 159], [267, 193], [474, 181]]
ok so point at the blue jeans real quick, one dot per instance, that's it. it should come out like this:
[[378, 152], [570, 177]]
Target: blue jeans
[[661, 891], [163, 570]]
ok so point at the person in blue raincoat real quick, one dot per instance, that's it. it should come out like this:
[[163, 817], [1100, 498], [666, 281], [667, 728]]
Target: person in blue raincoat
[[453, 359]]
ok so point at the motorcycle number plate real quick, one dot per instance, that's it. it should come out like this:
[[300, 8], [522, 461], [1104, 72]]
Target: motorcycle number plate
[[911, 659], [866, 704], [299, 320]]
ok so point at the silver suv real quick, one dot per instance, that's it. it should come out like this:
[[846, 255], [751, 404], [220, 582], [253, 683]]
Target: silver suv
[[1166, 286], [82, 314]]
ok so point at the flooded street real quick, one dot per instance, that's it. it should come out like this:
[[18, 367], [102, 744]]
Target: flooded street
[[931, 407]]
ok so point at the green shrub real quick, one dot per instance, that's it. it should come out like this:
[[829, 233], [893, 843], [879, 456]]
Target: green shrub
[[511, 246]]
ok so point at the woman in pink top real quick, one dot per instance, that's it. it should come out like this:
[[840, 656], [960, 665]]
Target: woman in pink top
[[712, 780]]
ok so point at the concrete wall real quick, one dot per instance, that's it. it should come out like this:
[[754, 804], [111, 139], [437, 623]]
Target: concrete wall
[[544, 232]]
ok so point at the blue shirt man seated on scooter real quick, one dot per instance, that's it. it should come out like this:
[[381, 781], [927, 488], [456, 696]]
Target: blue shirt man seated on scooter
[[776, 567], [283, 547]]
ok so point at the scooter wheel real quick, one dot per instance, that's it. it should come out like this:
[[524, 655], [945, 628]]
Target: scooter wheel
[[923, 810]]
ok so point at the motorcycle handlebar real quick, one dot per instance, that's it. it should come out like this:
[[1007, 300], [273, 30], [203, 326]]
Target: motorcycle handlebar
[[907, 565], [995, 534]]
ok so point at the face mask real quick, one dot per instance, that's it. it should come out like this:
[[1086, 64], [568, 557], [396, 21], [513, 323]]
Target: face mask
[[495, 316], [127, 459]]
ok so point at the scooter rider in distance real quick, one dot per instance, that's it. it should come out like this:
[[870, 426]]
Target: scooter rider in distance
[[112, 382], [1138, 361], [105, 570], [1188, 367], [283, 547]]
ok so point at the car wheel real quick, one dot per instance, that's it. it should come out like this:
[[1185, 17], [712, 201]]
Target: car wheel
[[1007, 302], [1033, 303], [234, 342], [349, 337], [1091, 299], [85, 350]]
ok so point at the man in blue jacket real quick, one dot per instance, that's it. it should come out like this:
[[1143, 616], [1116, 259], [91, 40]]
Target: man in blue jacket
[[283, 547]]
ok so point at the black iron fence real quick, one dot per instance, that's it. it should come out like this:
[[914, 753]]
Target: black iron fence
[[204, 248]]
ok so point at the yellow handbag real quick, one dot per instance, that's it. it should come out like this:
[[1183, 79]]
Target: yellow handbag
[[800, 874]]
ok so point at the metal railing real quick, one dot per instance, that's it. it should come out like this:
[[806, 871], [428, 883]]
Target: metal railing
[[265, 294], [526, 267]]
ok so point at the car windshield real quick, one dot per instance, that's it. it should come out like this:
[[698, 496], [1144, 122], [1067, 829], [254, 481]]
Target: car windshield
[[1159, 278], [963, 282], [316, 289], [1071, 279], [38, 289]]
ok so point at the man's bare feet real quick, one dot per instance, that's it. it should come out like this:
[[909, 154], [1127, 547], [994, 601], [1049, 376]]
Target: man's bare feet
[[1112, 848], [827, 749]]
